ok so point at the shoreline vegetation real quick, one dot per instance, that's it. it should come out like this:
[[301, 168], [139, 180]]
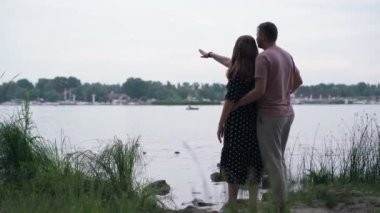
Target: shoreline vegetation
[[341, 177], [136, 91], [39, 175]]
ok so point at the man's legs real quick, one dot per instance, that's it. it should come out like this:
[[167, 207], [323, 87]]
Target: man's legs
[[253, 192], [272, 134], [284, 140]]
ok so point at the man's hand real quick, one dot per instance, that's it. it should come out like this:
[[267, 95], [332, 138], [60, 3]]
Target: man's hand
[[220, 132], [235, 106], [204, 54], [297, 80]]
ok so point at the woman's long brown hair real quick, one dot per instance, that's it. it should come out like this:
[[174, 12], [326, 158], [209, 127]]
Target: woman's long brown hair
[[243, 59]]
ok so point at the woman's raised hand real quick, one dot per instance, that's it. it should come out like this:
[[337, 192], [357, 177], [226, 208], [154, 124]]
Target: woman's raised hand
[[205, 54]]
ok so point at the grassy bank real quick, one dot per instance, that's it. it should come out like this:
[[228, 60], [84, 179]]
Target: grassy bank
[[356, 159], [35, 176], [342, 177]]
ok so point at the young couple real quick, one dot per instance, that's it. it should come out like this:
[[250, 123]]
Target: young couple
[[257, 114]]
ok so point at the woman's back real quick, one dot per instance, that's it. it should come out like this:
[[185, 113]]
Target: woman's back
[[240, 153]]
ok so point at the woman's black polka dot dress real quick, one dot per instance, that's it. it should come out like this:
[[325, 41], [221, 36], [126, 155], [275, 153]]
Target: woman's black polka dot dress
[[241, 160]]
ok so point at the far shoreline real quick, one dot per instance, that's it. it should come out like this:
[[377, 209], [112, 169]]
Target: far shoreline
[[166, 104]]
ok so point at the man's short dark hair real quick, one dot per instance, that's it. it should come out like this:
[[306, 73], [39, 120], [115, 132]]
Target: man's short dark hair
[[269, 30]]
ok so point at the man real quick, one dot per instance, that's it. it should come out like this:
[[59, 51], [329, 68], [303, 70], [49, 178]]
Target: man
[[276, 77]]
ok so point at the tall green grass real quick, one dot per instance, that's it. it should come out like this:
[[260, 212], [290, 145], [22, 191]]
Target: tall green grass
[[22, 155], [355, 160], [36, 177], [339, 171], [362, 162]]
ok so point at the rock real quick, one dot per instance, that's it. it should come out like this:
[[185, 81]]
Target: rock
[[216, 177], [176, 152], [351, 202], [374, 201], [160, 187], [144, 153], [357, 207], [200, 203], [299, 205], [316, 203], [339, 207], [196, 193], [356, 193], [361, 200], [311, 210], [191, 209]]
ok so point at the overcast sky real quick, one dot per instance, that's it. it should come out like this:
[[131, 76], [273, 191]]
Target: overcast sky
[[109, 41]]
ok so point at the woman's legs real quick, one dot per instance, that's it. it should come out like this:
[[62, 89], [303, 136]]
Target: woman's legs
[[233, 190], [231, 205]]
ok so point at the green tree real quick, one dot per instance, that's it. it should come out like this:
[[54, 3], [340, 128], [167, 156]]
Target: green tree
[[25, 84], [60, 84], [135, 88], [73, 82]]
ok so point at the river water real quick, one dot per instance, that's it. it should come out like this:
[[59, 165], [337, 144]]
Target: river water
[[164, 130]]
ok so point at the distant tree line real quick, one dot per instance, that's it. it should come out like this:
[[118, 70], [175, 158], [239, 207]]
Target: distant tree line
[[339, 90], [52, 90]]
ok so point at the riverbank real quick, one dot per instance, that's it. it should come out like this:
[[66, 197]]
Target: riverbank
[[342, 178], [38, 176], [337, 197]]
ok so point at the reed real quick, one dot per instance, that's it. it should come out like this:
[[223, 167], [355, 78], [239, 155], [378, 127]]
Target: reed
[[35, 176]]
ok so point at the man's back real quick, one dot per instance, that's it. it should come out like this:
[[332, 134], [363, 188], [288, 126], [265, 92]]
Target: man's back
[[277, 66]]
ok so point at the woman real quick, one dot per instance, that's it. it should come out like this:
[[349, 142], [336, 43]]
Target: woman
[[240, 158]]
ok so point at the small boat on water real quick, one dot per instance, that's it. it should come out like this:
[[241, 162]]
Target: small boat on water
[[191, 108]]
